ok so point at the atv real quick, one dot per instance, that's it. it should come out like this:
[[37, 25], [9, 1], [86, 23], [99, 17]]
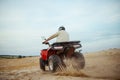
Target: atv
[[55, 55]]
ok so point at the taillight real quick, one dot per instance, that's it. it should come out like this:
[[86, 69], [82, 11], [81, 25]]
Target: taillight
[[58, 47], [76, 46]]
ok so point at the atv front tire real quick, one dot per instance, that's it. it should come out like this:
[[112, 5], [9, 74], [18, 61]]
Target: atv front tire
[[42, 64]]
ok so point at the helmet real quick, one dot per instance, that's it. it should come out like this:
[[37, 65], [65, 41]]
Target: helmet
[[61, 28]]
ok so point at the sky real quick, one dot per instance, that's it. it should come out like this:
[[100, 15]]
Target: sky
[[96, 23]]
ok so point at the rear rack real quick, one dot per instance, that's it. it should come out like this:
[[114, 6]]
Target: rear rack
[[65, 43]]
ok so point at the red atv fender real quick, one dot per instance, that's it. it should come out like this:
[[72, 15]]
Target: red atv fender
[[45, 53]]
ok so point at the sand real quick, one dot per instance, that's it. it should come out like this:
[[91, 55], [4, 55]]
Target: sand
[[101, 65]]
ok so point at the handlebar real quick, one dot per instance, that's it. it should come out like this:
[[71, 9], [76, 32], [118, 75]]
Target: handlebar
[[47, 43]]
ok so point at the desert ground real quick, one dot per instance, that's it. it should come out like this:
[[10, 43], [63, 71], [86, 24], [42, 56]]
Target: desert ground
[[101, 65]]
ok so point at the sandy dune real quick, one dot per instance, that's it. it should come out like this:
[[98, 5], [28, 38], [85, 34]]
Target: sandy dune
[[103, 65]]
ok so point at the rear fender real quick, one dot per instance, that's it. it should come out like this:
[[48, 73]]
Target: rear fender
[[70, 52]]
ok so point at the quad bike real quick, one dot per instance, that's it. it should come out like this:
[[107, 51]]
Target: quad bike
[[54, 56]]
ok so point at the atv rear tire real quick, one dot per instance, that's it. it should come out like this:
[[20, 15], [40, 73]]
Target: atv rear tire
[[79, 60], [54, 62], [42, 64]]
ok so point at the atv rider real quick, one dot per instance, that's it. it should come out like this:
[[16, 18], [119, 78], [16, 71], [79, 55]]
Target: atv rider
[[61, 35]]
